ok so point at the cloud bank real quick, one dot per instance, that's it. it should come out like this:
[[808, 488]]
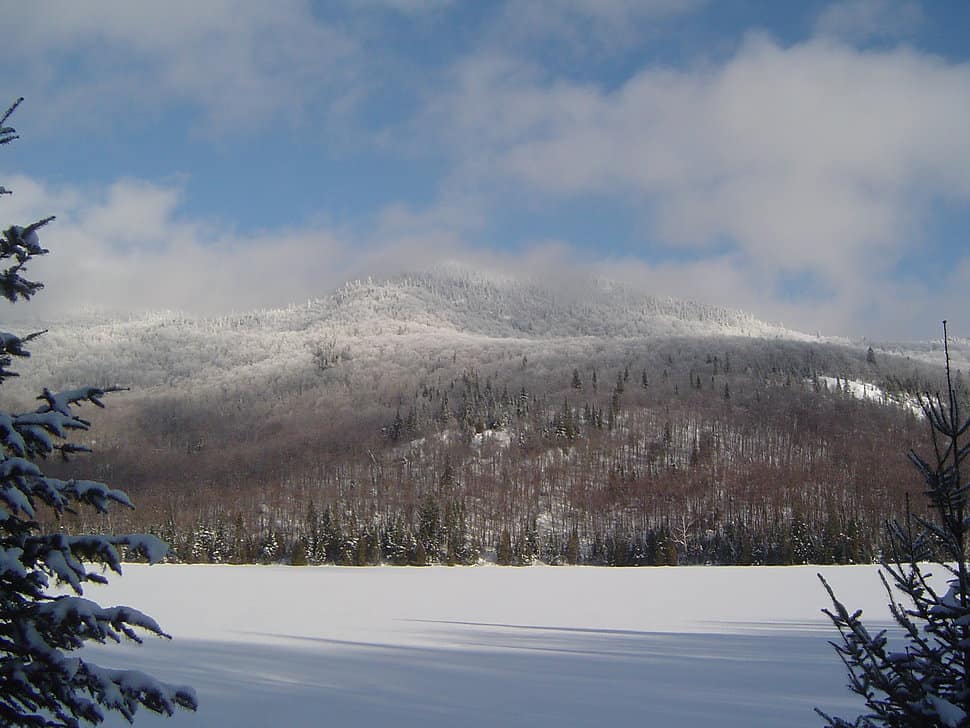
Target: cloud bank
[[816, 162]]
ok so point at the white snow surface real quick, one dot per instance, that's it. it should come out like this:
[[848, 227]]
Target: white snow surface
[[487, 646], [873, 393], [502, 438]]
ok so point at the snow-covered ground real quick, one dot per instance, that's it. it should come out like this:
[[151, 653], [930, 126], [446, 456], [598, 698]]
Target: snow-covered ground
[[867, 391], [491, 646]]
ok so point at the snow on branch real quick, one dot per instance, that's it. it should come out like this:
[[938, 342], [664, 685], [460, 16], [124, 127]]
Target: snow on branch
[[62, 401], [40, 684]]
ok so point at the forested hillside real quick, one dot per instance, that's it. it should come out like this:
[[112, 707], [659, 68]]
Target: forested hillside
[[451, 416]]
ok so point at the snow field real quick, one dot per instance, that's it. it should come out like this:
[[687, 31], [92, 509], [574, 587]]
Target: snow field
[[487, 646], [872, 393]]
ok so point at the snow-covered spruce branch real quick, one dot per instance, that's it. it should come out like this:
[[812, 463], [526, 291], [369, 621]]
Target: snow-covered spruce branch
[[41, 683], [927, 683]]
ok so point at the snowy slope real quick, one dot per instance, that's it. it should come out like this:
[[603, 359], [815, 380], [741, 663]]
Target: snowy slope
[[542, 647], [407, 324], [872, 393], [930, 352], [424, 314], [479, 303]]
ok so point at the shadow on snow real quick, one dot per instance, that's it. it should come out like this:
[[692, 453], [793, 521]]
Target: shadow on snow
[[508, 675]]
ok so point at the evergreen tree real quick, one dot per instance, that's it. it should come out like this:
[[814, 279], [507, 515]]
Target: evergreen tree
[[40, 685], [201, 544], [240, 543], [527, 545], [269, 548], [430, 528], [221, 551], [397, 543], [926, 684], [503, 550], [351, 537], [396, 428], [362, 554], [411, 423], [373, 548], [456, 533], [800, 549], [572, 548], [552, 550], [420, 555], [299, 557], [331, 535], [316, 549]]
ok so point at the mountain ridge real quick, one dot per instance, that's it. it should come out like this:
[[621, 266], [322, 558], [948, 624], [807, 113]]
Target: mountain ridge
[[653, 430], [422, 313]]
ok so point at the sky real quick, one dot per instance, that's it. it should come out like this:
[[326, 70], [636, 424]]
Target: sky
[[807, 162]]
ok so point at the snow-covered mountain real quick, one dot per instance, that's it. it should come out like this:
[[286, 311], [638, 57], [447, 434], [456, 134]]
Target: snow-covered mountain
[[930, 352], [420, 316], [447, 307], [502, 307], [586, 406]]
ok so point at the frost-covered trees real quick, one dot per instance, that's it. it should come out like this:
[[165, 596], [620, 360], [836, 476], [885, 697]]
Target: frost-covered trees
[[41, 683], [926, 683]]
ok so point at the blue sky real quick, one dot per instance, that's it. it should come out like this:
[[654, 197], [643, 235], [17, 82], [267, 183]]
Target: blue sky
[[808, 162]]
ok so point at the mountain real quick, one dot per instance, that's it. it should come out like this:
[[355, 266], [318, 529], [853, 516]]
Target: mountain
[[503, 307], [423, 312], [451, 415]]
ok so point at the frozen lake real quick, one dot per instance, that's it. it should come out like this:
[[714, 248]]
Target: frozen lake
[[493, 646]]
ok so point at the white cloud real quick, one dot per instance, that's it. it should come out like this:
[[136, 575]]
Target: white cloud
[[814, 160], [124, 248], [865, 20], [587, 26], [241, 62], [407, 7], [133, 213]]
